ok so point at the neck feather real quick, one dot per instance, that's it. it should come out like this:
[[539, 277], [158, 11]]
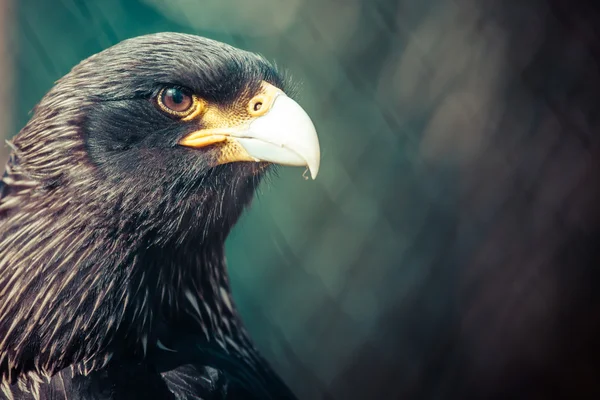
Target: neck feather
[[83, 282]]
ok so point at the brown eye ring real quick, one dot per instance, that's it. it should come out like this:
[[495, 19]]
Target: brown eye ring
[[176, 102]]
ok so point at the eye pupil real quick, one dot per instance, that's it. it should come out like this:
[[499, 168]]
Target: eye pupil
[[257, 106], [176, 95]]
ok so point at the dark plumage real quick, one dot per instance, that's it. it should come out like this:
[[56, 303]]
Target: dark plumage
[[112, 270]]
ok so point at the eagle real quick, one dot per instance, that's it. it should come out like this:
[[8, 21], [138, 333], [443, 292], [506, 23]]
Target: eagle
[[115, 206]]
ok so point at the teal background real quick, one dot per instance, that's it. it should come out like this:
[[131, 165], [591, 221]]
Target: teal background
[[442, 249]]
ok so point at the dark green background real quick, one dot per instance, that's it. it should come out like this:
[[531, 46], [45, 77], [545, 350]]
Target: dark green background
[[428, 260]]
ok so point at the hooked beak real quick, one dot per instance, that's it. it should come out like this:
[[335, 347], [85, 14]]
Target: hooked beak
[[284, 135]]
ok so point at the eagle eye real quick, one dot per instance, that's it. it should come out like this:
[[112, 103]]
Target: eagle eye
[[177, 102]]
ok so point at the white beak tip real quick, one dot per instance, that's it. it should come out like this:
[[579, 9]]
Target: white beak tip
[[314, 171]]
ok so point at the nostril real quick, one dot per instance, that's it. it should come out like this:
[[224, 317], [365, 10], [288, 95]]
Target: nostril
[[258, 105]]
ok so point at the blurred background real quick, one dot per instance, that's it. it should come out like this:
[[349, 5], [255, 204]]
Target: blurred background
[[448, 247]]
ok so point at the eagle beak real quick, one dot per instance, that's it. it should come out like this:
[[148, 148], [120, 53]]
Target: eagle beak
[[283, 135]]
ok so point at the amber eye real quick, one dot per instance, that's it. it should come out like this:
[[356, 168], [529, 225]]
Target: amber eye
[[177, 102]]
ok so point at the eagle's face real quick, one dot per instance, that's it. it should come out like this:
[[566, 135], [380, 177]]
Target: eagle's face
[[182, 123]]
